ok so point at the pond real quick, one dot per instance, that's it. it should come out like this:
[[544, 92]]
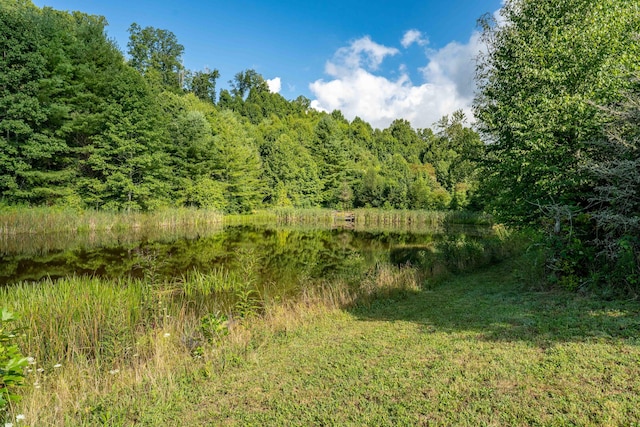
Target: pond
[[277, 252]]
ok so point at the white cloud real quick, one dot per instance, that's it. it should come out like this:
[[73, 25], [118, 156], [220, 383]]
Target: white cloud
[[455, 63], [274, 84], [413, 36], [361, 53], [357, 90]]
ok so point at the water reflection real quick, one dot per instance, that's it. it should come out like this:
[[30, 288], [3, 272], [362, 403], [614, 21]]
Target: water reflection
[[278, 251]]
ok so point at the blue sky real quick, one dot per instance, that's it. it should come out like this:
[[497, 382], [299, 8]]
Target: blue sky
[[379, 60]]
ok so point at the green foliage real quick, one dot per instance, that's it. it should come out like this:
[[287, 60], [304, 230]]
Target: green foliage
[[34, 157], [547, 67], [557, 101], [157, 54], [237, 164], [203, 84], [82, 127], [455, 153], [331, 149], [127, 167], [213, 326], [616, 197], [12, 363]]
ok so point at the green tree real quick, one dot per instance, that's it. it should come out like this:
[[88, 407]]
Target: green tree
[[57, 87], [332, 156], [203, 84], [291, 173], [237, 164], [407, 141], [156, 54], [547, 67], [398, 179], [246, 81], [33, 158], [127, 166], [371, 191], [455, 153]]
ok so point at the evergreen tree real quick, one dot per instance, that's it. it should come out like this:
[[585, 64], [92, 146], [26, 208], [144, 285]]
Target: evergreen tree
[[237, 164], [127, 166]]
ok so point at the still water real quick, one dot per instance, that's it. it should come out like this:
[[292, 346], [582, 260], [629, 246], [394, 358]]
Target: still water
[[277, 251]]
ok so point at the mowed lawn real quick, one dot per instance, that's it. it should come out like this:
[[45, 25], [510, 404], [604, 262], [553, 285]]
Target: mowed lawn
[[478, 349]]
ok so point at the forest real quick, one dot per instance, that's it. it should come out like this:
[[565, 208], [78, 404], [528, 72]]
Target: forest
[[82, 126], [554, 145]]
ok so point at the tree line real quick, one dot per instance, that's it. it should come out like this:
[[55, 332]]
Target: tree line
[[82, 126]]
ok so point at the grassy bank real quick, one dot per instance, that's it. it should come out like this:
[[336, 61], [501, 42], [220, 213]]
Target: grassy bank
[[477, 350], [94, 339], [474, 349]]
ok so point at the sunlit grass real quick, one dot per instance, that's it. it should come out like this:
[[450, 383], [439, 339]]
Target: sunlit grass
[[421, 344], [476, 349], [42, 220], [90, 337]]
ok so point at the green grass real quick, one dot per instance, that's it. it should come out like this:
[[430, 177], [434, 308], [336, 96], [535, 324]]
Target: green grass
[[477, 349]]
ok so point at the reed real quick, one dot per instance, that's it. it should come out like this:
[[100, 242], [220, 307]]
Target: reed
[[47, 221], [77, 317], [42, 220], [368, 217]]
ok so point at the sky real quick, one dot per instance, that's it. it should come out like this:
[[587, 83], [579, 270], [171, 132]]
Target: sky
[[378, 60]]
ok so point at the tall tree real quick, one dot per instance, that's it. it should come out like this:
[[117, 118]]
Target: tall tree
[[237, 164], [56, 72], [548, 64], [246, 81], [291, 173], [332, 156], [127, 166], [203, 84], [455, 153], [156, 54]]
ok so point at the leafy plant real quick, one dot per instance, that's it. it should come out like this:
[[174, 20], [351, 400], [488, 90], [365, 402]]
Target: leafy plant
[[214, 325], [12, 363], [248, 303]]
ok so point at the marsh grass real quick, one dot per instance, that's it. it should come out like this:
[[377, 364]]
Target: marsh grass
[[42, 220], [364, 219], [376, 217]]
